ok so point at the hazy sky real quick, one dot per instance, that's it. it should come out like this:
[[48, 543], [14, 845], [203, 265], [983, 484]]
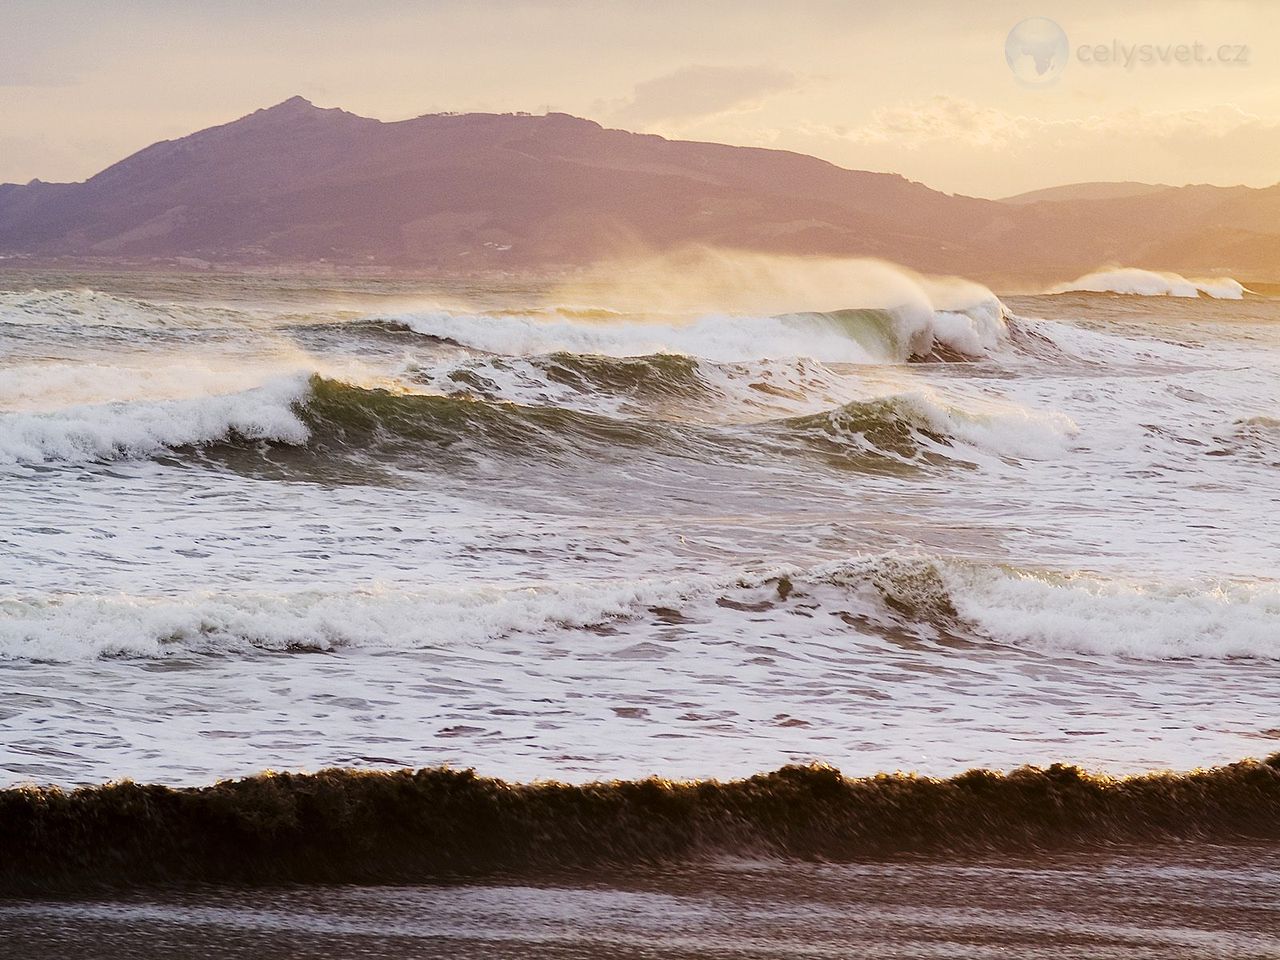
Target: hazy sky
[[919, 88]]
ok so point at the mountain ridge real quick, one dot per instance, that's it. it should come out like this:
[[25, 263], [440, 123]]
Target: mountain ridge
[[1087, 190], [295, 183]]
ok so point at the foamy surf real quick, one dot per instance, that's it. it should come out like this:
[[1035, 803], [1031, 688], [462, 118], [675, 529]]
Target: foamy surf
[[1071, 612], [447, 616], [583, 562], [1057, 612]]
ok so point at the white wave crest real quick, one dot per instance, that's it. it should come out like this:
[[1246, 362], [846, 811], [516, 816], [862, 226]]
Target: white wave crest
[[716, 338], [1152, 283], [1076, 613], [1002, 428], [144, 428], [1096, 615]]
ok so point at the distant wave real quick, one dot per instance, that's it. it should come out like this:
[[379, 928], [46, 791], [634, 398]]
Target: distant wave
[[929, 597], [86, 307], [344, 826], [1150, 283]]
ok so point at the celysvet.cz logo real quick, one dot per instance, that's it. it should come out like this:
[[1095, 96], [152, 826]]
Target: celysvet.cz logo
[[1037, 51]]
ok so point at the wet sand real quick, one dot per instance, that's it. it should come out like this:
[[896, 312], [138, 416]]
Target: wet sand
[[1197, 901]]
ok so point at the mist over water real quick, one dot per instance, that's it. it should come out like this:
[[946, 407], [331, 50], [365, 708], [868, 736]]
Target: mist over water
[[697, 516]]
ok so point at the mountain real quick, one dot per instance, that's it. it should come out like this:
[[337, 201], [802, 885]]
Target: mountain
[[1094, 190], [296, 184]]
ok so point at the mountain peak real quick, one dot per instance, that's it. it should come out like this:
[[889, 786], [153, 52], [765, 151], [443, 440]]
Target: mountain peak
[[294, 110], [295, 104]]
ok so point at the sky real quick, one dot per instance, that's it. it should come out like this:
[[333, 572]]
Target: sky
[[917, 88]]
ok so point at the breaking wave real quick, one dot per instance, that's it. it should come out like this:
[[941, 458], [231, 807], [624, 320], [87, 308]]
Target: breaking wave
[[843, 336], [337, 419], [909, 424], [1151, 283], [345, 826], [1073, 612], [148, 428]]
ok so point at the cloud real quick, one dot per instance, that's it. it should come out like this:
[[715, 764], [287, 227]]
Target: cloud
[[697, 92], [955, 143], [942, 118], [945, 119]]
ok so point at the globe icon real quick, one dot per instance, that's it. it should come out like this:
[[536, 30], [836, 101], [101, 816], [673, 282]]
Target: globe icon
[[1036, 51]]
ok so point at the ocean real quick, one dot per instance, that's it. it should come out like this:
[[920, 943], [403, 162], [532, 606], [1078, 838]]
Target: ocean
[[260, 523]]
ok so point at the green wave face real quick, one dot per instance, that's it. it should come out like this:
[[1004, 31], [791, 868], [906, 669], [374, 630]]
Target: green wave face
[[363, 434], [347, 418], [652, 377], [892, 426], [879, 332]]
